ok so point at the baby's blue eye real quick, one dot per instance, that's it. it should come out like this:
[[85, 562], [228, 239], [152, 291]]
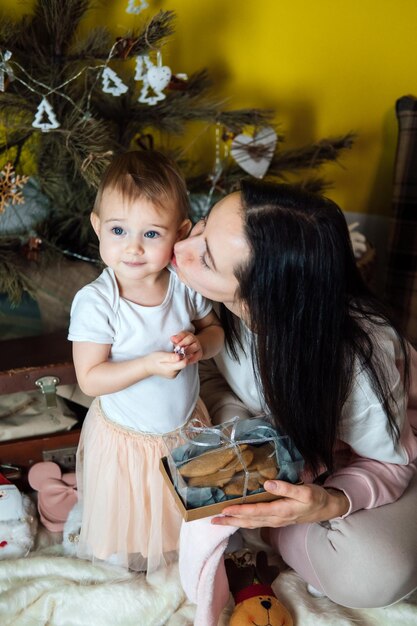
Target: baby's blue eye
[[151, 234], [117, 230]]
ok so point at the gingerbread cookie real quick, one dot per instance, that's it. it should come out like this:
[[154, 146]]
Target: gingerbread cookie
[[212, 480], [209, 462], [223, 475], [235, 486], [264, 461]]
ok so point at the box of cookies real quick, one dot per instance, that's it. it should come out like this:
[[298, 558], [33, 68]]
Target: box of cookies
[[220, 464]]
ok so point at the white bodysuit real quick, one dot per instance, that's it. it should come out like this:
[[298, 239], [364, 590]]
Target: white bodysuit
[[154, 405]]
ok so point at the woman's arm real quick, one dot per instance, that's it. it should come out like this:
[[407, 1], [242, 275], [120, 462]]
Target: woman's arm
[[381, 468], [365, 484], [362, 483], [298, 504], [368, 483]]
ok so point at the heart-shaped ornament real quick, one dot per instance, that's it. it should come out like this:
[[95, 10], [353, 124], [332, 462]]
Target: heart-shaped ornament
[[254, 152], [159, 77]]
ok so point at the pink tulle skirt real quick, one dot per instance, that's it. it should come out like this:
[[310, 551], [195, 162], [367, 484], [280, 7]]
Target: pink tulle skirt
[[129, 517]]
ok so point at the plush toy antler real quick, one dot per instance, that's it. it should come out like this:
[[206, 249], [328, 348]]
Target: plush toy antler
[[255, 600]]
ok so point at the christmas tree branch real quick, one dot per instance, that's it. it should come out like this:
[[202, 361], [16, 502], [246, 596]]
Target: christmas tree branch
[[55, 24], [312, 156], [12, 281], [152, 37], [94, 46], [15, 141], [314, 185], [15, 103], [90, 149]]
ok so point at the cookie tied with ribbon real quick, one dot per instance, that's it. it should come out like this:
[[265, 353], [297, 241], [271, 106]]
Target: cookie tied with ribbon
[[231, 460], [57, 493]]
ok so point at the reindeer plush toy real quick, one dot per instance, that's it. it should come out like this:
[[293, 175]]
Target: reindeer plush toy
[[255, 601]]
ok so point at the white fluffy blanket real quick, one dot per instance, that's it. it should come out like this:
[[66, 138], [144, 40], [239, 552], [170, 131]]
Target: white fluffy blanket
[[49, 589]]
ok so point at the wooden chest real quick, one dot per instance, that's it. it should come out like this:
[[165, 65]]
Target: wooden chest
[[22, 363]]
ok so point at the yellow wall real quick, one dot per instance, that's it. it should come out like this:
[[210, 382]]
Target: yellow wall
[[325, 66]]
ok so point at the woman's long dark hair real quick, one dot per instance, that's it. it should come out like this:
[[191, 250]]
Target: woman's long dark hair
[[311, 315]]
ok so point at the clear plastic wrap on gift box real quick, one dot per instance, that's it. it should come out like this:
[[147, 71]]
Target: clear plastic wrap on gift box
[[230, 462]]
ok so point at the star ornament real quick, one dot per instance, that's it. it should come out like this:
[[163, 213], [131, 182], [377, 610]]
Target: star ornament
[[10, 186]]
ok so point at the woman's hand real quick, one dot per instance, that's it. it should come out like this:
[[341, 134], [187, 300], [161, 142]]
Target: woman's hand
[[299, 504]]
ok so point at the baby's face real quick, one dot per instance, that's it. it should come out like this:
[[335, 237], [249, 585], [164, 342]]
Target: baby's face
[[136, 238]]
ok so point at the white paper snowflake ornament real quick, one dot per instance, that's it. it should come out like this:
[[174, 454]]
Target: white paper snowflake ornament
[[112, 83], [254, 153], [45, 118], [11, 185], [135, 6]]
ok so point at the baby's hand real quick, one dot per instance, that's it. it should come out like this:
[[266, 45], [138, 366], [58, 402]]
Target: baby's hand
[[165, 364], [191, 345]]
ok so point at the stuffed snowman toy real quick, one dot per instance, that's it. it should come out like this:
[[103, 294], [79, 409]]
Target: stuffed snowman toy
[[18, 521]]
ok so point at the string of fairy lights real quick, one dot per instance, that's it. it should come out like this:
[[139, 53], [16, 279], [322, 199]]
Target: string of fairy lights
[[154, 76]]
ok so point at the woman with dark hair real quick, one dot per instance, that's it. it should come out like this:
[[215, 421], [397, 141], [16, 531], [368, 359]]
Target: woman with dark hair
[[308, 343]]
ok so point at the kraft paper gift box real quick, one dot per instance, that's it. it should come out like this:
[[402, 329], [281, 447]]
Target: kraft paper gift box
[[228, 464]]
